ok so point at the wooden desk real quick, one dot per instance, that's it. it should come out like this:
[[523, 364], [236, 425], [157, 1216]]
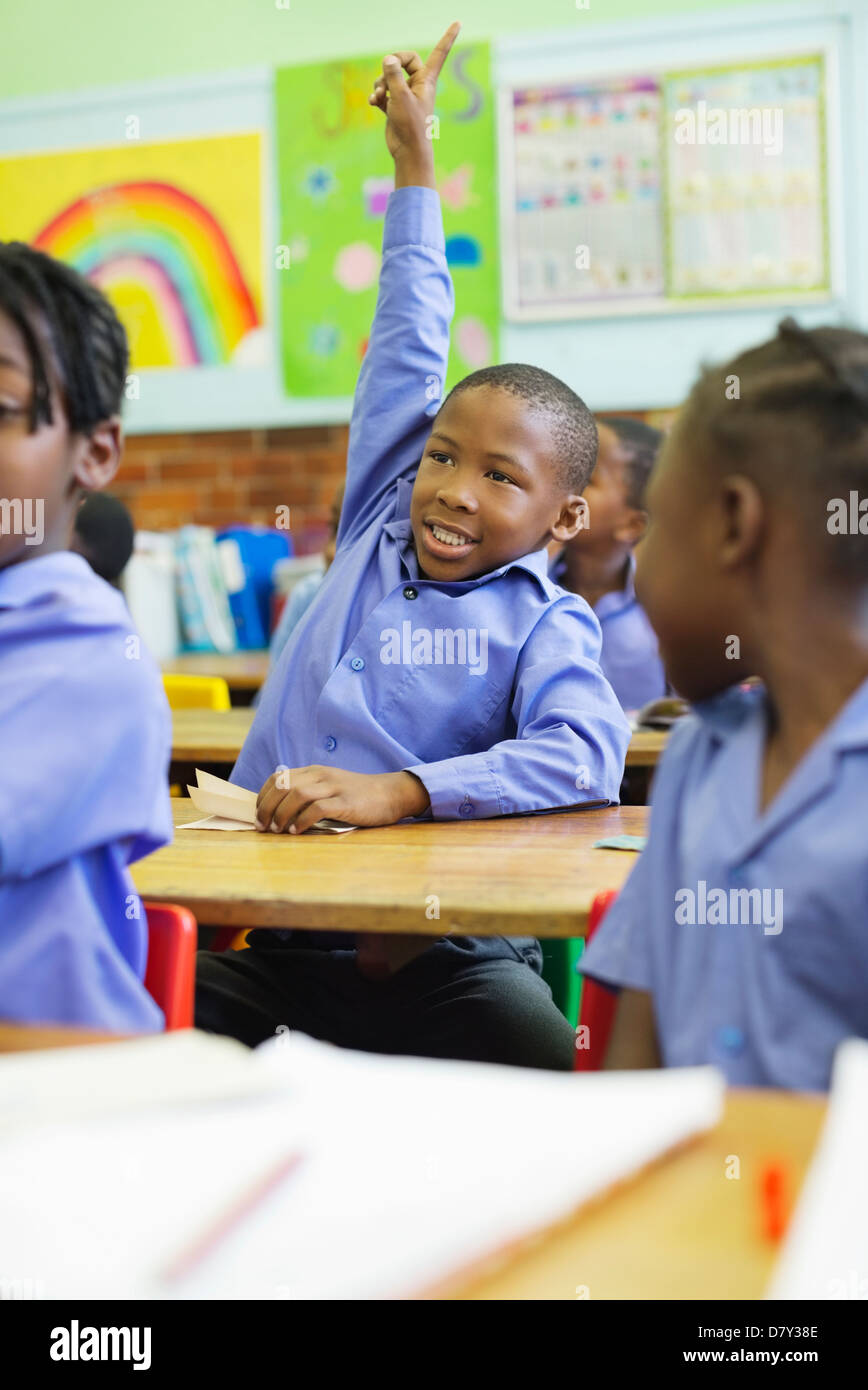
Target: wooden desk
[[242, 671], [682, 1229], [31, 1037], [217, 736], [528, 876], [645, 748], [208, 735]]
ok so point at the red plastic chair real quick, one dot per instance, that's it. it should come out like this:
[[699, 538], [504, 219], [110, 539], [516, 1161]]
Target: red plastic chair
[[171, 969], [598, 1003]]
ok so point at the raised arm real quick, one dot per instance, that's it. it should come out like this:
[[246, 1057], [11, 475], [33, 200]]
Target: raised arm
[[401, 379]]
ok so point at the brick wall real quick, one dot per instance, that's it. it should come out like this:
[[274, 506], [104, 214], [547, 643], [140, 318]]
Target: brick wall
[[217, 479]]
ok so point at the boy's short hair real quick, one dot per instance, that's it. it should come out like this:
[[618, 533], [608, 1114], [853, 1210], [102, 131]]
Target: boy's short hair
[[793, 414], [86, 336], [641, 443], [573, 429], [104, 535]]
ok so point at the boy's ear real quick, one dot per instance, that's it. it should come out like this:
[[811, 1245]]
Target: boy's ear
[[99, 454], [572, 519], [742, 520], [632, 528]]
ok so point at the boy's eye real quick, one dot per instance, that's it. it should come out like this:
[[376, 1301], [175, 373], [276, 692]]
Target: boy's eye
[[498, 477], [438, 457]]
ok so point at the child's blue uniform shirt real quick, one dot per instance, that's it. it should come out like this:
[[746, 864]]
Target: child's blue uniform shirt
[[630, 656], [768, 1007], [85, 740], [526, 720]]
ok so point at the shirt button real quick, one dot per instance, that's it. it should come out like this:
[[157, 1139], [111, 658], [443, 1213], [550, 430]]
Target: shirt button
[[410, 592], [731, 1040], [358, 663], [466, 808], [331, 743]]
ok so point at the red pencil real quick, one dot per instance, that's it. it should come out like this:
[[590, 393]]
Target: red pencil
[[180, 1266], [772, 1200]]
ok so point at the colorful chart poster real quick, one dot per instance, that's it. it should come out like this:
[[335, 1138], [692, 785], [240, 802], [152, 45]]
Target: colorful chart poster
[[335, 175], [746, 166], [587, 215], [172, 232], [674, 190]]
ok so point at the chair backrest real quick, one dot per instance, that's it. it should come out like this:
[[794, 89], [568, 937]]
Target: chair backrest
[[171, 969], [196, 692], [598, 1003]]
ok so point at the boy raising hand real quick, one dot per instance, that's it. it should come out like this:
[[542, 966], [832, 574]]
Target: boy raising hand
[[438, 671]]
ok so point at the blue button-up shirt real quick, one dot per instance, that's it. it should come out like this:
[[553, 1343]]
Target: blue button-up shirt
[[630, 657], [85, 739], [749, 929], [488, 690]]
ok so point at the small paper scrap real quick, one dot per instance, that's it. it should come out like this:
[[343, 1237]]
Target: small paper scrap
[[234, 808], [634, 842]]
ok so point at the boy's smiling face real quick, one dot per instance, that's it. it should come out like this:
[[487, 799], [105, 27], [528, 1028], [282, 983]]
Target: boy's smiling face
[[45, 468], [488, 488]]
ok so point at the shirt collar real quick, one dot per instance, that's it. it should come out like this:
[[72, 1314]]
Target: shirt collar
[[401, 531], [724, 713], [28, 580]]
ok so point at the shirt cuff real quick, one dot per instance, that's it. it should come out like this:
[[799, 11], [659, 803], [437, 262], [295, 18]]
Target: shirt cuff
[[461, 788], [413, 218]]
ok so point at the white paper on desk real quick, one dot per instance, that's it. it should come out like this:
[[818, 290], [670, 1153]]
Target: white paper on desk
[[235, 807], [412, 1171], [825, 1254]]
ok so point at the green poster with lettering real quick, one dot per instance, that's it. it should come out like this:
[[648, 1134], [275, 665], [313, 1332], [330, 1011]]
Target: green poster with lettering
[[334, 178]]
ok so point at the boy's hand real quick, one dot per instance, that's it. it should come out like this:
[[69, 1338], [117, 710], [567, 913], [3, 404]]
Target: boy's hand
[[407, 104], [293, 800]]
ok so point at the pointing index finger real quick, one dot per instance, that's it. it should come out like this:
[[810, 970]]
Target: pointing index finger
[[440, 52]]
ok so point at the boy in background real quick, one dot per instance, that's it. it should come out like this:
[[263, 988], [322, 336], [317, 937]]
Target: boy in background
[[438, 672], [599, 562], [740, 938], [104, 535], [84, 725]]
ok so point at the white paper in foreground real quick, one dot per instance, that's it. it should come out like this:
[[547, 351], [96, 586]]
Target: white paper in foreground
[[410, 1171]]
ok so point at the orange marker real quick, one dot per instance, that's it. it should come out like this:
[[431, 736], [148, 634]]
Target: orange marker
[[772, 1200]]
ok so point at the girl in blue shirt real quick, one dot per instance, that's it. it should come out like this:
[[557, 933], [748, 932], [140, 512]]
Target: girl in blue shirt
[[740, 938], [84, 725]]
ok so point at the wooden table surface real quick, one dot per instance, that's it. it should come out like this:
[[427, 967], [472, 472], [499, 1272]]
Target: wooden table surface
[[208, 735], [522, 876], [217, 736], [680, 1230], [34, 1037], [241, 670]]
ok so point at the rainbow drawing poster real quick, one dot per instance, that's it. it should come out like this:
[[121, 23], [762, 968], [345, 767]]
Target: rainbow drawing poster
[[335, 178], [172, 232]]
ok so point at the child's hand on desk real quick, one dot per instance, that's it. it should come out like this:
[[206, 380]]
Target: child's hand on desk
[[408, 104], [294, 799]]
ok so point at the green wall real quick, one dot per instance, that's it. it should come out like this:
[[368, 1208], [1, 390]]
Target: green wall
[[66, 45]]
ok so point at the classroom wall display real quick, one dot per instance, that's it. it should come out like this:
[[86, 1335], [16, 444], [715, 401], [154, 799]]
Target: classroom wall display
[[666, 191], [334, 182], [171, 231]]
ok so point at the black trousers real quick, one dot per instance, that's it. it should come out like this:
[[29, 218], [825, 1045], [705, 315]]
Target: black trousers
[[453, 1001]]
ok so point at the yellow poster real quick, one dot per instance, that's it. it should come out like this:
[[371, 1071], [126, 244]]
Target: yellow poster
[[172, 232]]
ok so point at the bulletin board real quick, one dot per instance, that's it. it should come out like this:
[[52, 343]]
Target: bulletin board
[[173, 242], [335, 179], [665, 191]]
